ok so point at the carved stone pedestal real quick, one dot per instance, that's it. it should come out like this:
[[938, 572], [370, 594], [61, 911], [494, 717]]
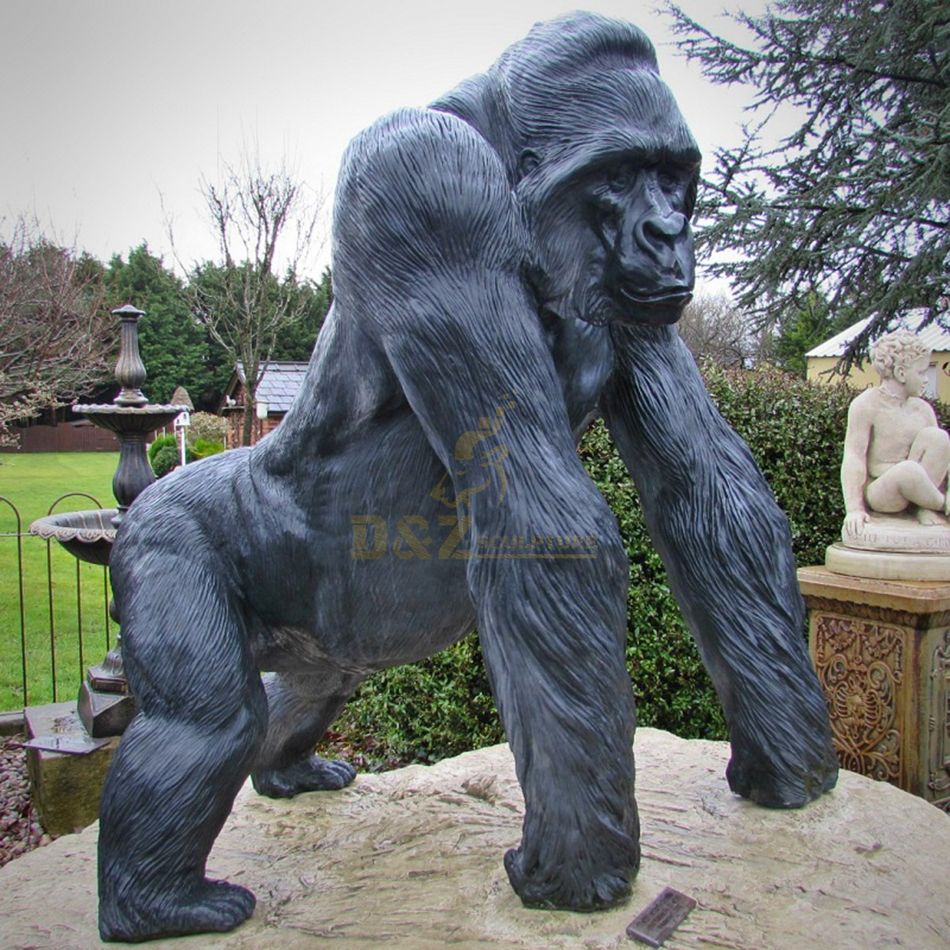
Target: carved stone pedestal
[[882, 653]]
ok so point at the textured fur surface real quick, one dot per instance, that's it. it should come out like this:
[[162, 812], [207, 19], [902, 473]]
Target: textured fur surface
[[505, 264]]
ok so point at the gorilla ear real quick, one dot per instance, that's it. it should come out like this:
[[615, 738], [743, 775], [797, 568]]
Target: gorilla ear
[[528, 161]]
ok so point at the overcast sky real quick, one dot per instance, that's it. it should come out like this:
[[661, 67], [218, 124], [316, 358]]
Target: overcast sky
[[112, 108]]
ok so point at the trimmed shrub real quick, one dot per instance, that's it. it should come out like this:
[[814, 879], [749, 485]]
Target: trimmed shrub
[[202, 448], [795, 431], [166, 459], [672, 688], [160, 443]]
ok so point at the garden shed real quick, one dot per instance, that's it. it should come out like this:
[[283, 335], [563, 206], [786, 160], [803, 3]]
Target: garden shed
[[275, 394], [823, 358]]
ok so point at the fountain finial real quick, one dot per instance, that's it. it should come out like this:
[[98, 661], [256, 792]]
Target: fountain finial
[[130, 370]]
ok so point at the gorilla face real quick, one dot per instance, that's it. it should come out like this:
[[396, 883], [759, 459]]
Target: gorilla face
[[613, 241], [640, 215]]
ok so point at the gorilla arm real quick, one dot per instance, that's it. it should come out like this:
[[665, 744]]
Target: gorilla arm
[[428, 256], [726, 547]]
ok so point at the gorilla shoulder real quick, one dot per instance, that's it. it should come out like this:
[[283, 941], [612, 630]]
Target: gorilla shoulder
[[421, 190]]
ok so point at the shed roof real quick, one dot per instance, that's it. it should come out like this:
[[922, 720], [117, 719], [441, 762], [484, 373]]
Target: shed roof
[[278, 385], [933, 335]]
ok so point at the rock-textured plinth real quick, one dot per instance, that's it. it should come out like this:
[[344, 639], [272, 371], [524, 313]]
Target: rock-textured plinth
[[413, 859]]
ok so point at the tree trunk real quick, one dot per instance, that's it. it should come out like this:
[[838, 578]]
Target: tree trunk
[[248, 420]]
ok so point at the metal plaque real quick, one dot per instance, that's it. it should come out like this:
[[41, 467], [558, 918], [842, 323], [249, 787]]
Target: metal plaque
[[660, 917], [69, 744]]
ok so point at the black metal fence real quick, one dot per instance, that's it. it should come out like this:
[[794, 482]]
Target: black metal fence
[[54, 612]]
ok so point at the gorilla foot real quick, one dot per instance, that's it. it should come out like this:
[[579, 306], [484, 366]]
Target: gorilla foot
[[566, 890], [772, 786], [309, 775], [211, 906]]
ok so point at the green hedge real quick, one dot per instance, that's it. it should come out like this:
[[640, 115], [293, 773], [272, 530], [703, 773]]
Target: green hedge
[[795, 430], [424, 712]]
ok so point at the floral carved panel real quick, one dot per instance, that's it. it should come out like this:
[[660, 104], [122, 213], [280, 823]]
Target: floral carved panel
[[938, 780], [861, 666]]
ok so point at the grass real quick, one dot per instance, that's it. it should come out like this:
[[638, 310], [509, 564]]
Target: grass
[[58, 591]]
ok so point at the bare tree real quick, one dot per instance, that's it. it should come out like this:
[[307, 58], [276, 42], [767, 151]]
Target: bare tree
[[714, 328], [261, 219], [55, 339]]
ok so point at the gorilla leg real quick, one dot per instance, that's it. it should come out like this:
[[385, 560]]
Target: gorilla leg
[[727, 550], [300, 708], [202, 714]]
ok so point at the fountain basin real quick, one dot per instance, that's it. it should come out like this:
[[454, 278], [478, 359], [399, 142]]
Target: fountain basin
[[87, 535], [138, 420]]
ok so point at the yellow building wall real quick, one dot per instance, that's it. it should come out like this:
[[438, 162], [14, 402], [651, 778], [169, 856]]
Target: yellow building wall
[[821, 370]]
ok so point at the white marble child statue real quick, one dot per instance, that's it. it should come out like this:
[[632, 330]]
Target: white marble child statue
[[896, 457]]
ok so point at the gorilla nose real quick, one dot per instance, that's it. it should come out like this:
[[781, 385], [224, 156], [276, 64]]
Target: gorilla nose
[[657, 234]]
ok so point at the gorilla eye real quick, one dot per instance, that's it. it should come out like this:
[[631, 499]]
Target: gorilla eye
[[668, 181], [679, 187], [620, 176]]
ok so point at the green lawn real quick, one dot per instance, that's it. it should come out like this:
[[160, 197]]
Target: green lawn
[[32, 483]]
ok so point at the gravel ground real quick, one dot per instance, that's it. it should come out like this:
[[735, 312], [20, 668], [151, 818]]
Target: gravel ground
[[20, 830]]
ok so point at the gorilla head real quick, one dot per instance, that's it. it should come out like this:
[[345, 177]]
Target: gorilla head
[[602, 162]]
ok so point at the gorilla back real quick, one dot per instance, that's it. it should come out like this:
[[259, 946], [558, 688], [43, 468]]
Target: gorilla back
[[507, 264]]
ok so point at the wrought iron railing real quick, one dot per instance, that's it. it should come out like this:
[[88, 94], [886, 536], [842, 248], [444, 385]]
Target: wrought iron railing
[[54, 612]]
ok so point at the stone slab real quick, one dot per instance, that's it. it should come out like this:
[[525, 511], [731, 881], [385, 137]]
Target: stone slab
[[412, 860], [65, 788], [917, 597]]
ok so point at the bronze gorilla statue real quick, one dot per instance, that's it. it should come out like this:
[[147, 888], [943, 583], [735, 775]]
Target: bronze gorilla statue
[[507, 265]]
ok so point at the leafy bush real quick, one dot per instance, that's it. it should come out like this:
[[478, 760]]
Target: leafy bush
[[795, 431], [166, 458], [439, 707], [206, 427], [160, 443], [202, 448]]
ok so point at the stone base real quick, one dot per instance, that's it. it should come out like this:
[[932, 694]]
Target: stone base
[[903, 533], [65, 788], [412, 860], [887, 565]]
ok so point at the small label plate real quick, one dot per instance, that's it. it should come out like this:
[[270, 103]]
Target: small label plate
[[69, 744], [660, 917]]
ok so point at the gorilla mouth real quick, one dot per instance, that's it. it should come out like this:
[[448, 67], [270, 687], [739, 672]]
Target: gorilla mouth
[[661, 308], [662, 298]]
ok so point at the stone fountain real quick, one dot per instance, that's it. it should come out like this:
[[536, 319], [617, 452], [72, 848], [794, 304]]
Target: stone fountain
[[105, 705]]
